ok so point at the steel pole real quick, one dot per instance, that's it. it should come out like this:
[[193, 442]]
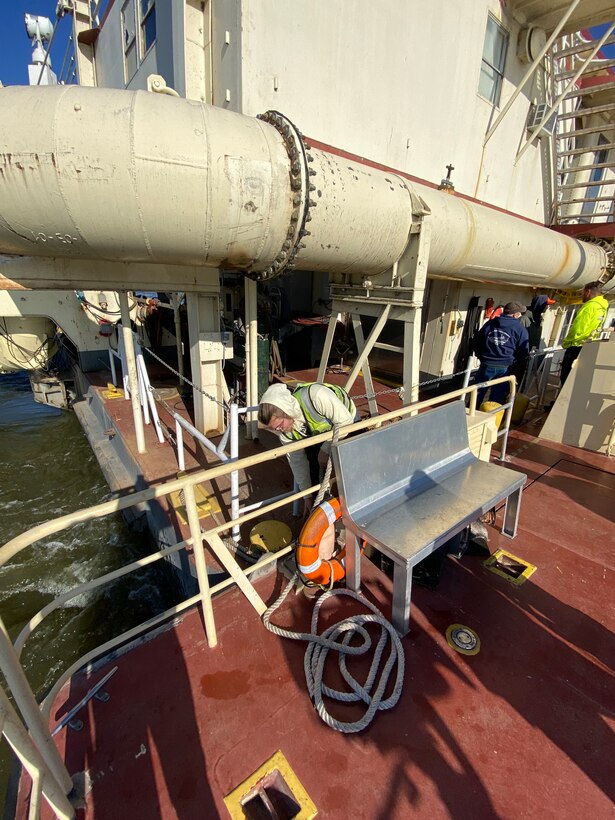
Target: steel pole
[[31, 759], [131, 366], [29, 708]]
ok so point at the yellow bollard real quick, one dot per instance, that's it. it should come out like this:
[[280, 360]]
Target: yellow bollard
[[490, 406]]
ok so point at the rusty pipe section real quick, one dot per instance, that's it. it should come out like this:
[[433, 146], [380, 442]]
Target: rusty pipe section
[[486, 244], [90, 173]]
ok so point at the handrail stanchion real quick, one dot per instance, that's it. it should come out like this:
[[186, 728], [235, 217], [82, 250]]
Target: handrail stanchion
[[473, 391], [234, 446], [508, 416], [131, 366], [24, 698], [201, 566], [179, 438], [32, 760], [112, 367]]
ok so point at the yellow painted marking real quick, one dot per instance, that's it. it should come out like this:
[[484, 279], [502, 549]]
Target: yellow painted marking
[[277, 761], [113, 392], [206, 504], [492, 565]]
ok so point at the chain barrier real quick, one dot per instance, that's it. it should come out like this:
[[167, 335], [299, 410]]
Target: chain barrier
[[397, 390], [400, 390], [184, 379]]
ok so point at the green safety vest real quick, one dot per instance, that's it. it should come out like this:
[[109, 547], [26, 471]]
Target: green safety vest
[[315, 422]]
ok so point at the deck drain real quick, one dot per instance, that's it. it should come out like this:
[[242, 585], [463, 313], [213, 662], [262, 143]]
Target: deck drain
[[463, 639], [272, 791], [510, 566]]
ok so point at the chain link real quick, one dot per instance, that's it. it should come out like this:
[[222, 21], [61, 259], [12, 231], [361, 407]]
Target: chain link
[[184, 379], [398, 390]]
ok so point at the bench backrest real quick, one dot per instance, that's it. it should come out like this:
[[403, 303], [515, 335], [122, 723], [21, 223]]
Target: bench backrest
[[406, 457]]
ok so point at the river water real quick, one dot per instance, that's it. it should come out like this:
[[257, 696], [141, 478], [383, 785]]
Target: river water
[[47, 469]]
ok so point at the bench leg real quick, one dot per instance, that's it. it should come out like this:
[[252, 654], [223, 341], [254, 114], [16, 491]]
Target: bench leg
[[353, 562], [402, 591], [511, 514]]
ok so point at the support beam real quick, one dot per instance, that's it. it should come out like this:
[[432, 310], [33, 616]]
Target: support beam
[[205, 358], [131, 366]]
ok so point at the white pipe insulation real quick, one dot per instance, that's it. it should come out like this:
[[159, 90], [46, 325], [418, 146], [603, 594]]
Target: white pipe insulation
[[91, 173]]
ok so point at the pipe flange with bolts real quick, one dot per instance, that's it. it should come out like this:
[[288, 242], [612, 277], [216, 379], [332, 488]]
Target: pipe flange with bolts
[[609, 249], [300, 173]]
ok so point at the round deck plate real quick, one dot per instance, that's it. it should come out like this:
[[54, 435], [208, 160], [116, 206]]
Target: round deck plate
[[270, 536], [463, 639]]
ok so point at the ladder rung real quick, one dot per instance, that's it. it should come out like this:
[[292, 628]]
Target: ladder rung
[[585, 46], [585, 112], [603, 219], [606, 146], [580, 132], [575, 169], [591, 89], [589, 184], [588, 199], [591, 70]]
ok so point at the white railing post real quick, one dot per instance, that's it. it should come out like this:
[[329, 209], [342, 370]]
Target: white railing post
[[131, 366], [234, 447], [31, 759], [201, 566], [179, 438], [25, 700]]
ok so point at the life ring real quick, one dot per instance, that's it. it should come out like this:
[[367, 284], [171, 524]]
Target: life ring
[[324, 572]]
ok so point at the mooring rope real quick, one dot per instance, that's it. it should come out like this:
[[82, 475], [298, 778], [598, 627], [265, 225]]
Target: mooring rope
[[320, 645]]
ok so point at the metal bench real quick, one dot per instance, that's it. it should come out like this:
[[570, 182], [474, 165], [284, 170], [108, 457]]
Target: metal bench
[[409, 487]]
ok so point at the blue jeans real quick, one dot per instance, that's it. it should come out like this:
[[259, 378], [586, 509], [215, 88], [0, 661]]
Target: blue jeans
[[499, 392]]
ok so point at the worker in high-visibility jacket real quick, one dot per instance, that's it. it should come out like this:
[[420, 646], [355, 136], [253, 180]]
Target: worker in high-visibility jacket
[[586, 326], [306, 410]]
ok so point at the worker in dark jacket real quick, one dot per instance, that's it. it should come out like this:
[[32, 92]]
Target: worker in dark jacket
[[502, 346]]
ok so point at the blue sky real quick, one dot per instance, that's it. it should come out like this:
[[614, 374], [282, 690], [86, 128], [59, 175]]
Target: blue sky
[[16, 47]]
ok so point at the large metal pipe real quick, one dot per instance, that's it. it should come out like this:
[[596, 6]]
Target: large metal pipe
[[133, 176]]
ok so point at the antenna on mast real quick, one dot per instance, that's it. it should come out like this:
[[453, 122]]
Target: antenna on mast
[[40, 31]]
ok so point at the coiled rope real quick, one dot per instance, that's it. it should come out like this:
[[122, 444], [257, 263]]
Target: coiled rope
[[318, 647]]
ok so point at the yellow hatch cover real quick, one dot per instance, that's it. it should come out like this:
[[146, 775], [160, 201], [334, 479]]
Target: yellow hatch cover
[[270, 536], [278, 773]]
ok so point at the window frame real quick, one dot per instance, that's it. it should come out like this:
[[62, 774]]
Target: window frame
[[143, 20], [129, 6], [496, 95]]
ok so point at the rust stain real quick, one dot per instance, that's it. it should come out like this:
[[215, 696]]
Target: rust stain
[[565, 260], [11, 284], [225, 685]]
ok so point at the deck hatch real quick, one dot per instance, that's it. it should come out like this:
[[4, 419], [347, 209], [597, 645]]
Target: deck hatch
[[272, 791], [509, 566], [270, 798]]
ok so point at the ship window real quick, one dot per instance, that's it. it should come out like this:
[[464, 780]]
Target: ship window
[[597, 174], [148, 25], [130, 40], [494, 59]]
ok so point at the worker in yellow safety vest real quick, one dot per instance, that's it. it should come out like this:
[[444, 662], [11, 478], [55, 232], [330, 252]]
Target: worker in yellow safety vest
[[586, 326], [306, 410]]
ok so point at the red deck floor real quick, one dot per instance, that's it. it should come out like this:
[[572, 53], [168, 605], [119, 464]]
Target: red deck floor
[[522, 729]]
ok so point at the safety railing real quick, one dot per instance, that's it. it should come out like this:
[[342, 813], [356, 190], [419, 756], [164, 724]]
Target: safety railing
[[39, 755]]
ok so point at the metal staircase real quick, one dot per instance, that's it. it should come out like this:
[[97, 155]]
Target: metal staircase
[[584, 140]]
